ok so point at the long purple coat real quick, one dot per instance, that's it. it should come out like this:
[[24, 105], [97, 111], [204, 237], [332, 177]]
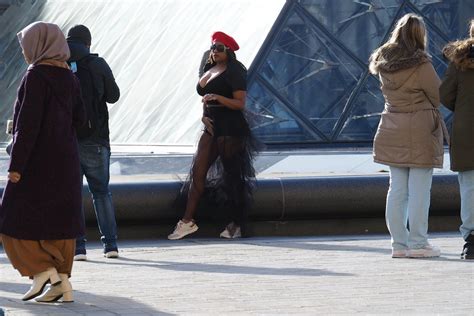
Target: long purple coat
[[46, 203]]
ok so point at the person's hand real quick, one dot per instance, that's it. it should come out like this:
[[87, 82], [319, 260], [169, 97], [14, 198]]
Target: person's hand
[[208, 124], [14, 176], [209, 97]]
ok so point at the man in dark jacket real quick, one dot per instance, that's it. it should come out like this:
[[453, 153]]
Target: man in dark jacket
[[98, 88]]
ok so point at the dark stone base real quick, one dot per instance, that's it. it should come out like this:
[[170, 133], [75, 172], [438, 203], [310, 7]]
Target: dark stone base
[[323, 227]]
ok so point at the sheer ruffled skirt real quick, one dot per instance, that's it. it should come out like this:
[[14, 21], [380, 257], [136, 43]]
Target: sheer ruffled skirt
[[222, 177]]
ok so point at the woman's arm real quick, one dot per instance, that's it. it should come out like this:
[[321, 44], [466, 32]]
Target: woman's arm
[[236, 103], [29, 114], [430, 83]]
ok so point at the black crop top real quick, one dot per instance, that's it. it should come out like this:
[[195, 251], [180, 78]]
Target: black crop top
[[234, 78]]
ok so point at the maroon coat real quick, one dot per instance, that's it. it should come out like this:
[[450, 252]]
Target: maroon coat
[[46, 202]]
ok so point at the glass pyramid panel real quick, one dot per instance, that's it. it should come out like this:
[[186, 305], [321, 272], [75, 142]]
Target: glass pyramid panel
[[451, 17], [314, 65], [272, 122], [310, 71], [359, 25], [361, 124]]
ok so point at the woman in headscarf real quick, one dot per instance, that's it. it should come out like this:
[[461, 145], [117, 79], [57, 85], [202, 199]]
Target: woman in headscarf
[[41, 204]]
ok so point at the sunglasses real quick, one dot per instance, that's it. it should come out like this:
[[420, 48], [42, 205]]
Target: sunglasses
[[218, 48]]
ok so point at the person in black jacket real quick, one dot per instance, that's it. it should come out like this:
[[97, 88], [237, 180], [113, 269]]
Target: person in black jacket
[[98, 88]]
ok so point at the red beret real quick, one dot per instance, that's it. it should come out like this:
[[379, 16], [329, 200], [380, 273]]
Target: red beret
[[225, 39]]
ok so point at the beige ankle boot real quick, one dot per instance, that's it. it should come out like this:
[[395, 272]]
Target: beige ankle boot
[[55, 292], [39, 282]]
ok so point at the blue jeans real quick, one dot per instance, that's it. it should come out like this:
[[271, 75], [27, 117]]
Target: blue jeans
[[466, 188], [408, 200], [95, 161]]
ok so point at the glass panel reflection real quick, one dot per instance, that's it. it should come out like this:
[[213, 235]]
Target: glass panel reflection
[[361, 124], [270, 121], [451, 17], [359, 25], [313, 82], [312, 73]]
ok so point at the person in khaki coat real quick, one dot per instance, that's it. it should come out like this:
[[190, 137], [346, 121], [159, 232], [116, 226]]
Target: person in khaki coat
[[457, 94], [409, 138]]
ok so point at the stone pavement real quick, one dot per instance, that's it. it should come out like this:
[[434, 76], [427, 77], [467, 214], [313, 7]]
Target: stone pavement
[[263, 276]]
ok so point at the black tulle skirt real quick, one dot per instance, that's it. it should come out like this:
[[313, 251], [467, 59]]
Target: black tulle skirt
[[230, 180]]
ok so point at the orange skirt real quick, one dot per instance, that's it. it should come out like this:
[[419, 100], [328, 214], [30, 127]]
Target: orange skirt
[[31, 257]]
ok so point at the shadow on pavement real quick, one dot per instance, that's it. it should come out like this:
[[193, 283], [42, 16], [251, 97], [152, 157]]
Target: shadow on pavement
[[14, 287], [278, 243], [317, 246], [85, 304], [221, 268]]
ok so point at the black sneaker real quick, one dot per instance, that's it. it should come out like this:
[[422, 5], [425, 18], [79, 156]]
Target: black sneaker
[[468, 249]]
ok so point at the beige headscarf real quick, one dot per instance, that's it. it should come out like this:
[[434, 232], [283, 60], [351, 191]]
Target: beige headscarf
[[44, 43]]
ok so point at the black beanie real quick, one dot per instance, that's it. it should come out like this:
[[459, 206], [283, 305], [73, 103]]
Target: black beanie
[[79, 33]]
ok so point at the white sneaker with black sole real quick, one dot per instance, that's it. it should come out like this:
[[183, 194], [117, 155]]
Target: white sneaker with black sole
[[183, 229]]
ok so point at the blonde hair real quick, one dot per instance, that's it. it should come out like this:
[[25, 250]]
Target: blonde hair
[[408, 36], [410, 33]]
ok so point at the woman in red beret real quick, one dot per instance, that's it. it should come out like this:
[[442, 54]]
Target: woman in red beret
[[223, 162]]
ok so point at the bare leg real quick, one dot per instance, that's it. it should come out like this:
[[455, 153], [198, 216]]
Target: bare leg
[[205, 157]]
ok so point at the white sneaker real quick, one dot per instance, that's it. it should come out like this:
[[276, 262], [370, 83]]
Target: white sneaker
[[183, 229], [225, 234], [399, 253], [427, 251], [231, 231], [80, 257]]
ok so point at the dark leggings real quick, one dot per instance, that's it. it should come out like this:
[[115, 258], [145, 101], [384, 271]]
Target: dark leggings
[[229, 149]]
